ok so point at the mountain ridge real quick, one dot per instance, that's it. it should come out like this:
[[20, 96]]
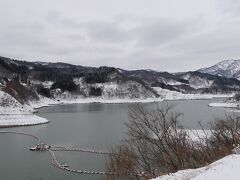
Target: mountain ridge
[[226, 68], [29, 80]]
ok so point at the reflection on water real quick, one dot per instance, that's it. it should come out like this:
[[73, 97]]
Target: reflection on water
[[97, 126]]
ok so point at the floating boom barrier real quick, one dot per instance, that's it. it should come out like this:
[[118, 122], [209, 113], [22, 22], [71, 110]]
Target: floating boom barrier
[[57, 164]]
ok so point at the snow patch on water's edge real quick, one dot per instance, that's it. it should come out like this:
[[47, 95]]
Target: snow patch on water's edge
[[225, 104], [16, 120]]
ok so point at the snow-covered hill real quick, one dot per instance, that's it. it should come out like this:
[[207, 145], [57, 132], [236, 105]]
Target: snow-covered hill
[[196, 81], [226, 68]]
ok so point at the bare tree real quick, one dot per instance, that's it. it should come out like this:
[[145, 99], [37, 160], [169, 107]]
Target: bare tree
[[157, 144], [156, 139]]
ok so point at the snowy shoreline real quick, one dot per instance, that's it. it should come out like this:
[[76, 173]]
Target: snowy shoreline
[[23, 115], [186, 97]]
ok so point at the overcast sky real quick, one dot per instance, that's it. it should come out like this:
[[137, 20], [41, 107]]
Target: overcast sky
[[169, 35]]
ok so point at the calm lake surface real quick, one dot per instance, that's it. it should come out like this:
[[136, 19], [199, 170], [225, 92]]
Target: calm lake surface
[[94, 126]]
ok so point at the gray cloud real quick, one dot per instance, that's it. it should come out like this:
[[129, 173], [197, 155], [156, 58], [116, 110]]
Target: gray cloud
[[53, 16], [103, 31], [107, 32], [75, 37], [229, 7], [22, 35], [157, 34], [147, 32]]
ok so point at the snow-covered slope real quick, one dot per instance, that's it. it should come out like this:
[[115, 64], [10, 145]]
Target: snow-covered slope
[[9, 105], [196, 81], [13, 113], [128, 89], [223, 169], [226, 68]]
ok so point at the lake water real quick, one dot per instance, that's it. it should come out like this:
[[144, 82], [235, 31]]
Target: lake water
[[95, 126]]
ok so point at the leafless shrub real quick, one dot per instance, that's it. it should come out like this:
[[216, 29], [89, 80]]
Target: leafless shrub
[[123, 162], [225, 133], [157, 144]]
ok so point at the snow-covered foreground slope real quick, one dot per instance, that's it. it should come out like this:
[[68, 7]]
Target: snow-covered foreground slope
[[12, 113], [223, 169]]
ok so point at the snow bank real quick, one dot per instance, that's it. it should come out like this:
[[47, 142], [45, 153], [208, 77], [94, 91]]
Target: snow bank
[[174, 95], [197, 134], [13, 113], [225, 104], [226, 168], [12, 120]]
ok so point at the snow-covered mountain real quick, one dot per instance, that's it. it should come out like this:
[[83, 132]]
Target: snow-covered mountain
[[28, 81], [226, 68]]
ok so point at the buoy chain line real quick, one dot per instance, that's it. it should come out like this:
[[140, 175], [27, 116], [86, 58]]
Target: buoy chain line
[[20, 133], [61, 148], [59, 165], [56, 163]]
